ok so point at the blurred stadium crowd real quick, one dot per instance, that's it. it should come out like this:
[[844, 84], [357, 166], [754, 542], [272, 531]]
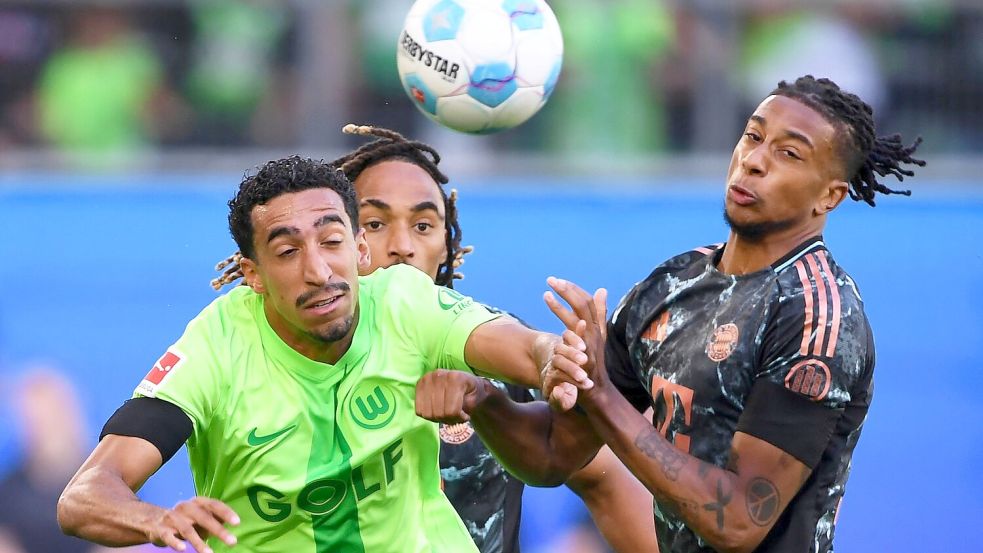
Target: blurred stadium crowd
[[639, 76]]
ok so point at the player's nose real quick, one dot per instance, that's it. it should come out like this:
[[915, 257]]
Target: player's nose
[[753, 161], [400, 245], [317, 270]]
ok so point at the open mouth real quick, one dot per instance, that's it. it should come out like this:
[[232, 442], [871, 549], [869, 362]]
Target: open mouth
[[323, 305]]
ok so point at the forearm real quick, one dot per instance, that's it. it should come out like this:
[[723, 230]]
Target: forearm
[[99, 507], [619, 504], [709, 499], [523, 438]]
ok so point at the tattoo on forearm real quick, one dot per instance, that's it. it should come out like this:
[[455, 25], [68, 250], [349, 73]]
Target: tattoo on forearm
[[670, 459], [762, 501], [723, 498]]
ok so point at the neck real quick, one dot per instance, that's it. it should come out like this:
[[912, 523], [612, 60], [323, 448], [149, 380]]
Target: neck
[[307, 345], [742, 256]]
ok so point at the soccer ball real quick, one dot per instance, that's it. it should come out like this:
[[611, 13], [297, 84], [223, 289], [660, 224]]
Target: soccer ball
[[479, 66]]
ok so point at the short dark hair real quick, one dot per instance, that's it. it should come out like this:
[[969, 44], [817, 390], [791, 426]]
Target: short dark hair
[[863, 153], [283, 176]]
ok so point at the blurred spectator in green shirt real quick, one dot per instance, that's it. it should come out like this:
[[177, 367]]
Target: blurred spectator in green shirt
[[95, 94]]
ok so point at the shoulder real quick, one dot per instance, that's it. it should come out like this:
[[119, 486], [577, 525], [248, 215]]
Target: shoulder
[[816, 280], [392, 280], [671, 268], [496, 311], [818, 324], [228, 313], [688, 258]]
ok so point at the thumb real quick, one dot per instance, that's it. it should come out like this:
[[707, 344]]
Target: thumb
[[473, 395]]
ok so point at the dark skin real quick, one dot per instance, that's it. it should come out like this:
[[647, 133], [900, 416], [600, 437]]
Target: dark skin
[[784, 176]]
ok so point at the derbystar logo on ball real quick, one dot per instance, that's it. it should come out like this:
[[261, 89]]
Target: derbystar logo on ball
[[478, 66]]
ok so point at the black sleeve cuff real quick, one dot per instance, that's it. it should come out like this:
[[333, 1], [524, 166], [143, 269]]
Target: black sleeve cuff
[[159, 422], [788, 421]]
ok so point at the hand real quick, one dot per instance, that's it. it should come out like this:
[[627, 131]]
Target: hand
[[194, 520], [448, 396], [579, 361], [563, 376]]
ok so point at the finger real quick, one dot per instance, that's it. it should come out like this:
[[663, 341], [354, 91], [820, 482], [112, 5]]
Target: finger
[[203, 523], [427, 405], [567, 317], [563, 397], [452, 408], [601, 306], [572, 339], [212, 523], [422, 402], [187, 532], [571, 353], [470, 400], [572, 371], [580, 329], [580, 301], [221, 510], [170, 539]]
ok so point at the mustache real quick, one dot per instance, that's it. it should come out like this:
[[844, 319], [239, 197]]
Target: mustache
[[330, 288]]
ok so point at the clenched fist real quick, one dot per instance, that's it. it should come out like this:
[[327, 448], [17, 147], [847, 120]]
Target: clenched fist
[[449, 396]]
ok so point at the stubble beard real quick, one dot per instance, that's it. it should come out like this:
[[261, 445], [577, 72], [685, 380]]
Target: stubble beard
[[758, 231], [335, 332]]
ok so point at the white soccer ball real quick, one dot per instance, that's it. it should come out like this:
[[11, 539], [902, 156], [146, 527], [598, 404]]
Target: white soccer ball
[[479, 66]]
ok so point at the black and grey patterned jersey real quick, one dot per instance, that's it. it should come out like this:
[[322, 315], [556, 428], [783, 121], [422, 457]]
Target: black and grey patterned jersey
[[487, 498], [784, 354]]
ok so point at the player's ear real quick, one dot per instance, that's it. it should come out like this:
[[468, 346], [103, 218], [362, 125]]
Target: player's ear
[[362, 251], [251, 276], [833, 194]]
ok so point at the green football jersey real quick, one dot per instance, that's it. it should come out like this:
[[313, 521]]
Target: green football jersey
[[316, 457]]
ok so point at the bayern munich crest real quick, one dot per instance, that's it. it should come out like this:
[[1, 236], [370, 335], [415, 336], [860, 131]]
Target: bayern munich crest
[[723, 342], [455, 434]]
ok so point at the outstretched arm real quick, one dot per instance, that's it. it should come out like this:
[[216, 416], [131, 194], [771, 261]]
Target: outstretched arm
[[733, 508], [541, 447], [505, 349], [100, 505]]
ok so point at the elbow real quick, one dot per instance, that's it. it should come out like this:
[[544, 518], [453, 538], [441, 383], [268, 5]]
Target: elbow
[[552, 477], [549, 474], [67, 520], [738, 538]]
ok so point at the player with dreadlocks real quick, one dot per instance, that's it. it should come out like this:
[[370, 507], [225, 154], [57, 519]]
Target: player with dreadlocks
[[756, 354], [403, 208]]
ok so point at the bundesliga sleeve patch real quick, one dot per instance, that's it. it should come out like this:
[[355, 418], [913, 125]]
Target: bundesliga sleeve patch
[[164, 366]]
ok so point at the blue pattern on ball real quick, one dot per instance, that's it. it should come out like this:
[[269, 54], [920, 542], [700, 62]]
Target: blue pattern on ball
[[554, 76], [525, 14], [492, 84], [442, 21]]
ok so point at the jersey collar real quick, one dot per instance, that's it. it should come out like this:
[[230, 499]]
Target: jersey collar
[[810, 244], [293, 361]]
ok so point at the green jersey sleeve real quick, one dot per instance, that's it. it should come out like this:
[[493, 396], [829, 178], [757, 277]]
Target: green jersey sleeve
[[440, 318], [187, 373]]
